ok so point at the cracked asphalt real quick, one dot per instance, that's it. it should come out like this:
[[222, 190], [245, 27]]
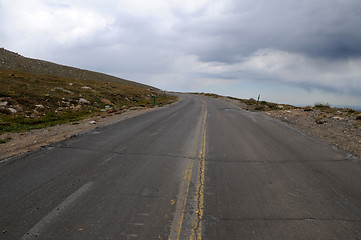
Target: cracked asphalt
[[200, 169]]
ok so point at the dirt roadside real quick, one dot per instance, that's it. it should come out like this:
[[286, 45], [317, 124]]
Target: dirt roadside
[[338, 128], [31, 140]]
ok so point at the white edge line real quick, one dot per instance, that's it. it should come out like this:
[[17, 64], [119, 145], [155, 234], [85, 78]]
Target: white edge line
[[37, 228]]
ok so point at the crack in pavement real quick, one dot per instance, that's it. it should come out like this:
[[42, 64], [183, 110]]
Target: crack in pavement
[[131, 154]]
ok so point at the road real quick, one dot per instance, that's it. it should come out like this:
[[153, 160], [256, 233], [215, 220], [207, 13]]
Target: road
[[199, 169]]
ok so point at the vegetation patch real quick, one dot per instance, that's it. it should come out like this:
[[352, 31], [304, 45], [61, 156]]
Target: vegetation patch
[[30, 101]]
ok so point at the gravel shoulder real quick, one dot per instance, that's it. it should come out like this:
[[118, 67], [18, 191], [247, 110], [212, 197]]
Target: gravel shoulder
[[336, 128], [27, 141]]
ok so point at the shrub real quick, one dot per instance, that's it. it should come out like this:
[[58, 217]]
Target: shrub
[[322, 105]]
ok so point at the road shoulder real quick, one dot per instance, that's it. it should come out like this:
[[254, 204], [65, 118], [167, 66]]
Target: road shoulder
[[28, 141]]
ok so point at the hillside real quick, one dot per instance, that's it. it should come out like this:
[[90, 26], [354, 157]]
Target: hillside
[[36, 94], [15, 62]]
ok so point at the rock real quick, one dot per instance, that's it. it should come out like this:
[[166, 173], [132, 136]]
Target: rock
[[12, 110], [338, 118], [39, 106], [93, 122], [77, 107], [3, 104], [70, 84], [85, 87], [62, 89], [83, 101], [280, 107], [106, 101]]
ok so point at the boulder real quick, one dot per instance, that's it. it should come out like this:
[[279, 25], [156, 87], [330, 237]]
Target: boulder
[[83, 101]]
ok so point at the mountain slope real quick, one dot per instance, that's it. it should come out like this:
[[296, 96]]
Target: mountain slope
[[13, 61], [36, 94]]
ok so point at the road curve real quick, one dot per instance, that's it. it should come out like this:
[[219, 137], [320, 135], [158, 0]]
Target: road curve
[[200, 169]]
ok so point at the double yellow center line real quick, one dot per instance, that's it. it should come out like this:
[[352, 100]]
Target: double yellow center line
[[195, 231]]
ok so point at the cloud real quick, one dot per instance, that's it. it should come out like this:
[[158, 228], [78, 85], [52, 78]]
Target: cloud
[[185, 45], [276, 66], [294, 68], [323, 28]]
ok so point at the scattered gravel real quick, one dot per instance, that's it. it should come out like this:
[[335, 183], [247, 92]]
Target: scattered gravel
[[343, 132]]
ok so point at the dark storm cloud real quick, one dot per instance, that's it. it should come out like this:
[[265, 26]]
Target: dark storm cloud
[[316, 28]]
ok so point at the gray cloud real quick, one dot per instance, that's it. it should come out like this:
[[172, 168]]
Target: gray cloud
[[187, 44], [321, 29]]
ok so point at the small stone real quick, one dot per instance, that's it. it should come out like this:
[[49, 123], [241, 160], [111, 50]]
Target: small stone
[[93, 122], [85, 87], [39, 106], [338, 118], [62, 89], [3, 104], [83, 101], [77, 107], [12, 110]]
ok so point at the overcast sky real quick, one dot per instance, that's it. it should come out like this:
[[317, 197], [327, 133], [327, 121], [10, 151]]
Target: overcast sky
[[289, 51]]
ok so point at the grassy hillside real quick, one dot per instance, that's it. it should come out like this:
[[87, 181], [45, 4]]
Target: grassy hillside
[[15, 62], [29, 100]]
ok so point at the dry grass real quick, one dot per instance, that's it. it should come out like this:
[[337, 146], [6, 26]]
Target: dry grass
[[45, 100]]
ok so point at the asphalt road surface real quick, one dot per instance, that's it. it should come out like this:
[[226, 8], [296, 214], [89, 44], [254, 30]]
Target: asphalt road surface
[[200, 169]]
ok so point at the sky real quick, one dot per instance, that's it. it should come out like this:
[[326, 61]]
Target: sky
[[287, 51]]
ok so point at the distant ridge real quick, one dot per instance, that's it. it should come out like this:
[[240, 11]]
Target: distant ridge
[[15, 62]]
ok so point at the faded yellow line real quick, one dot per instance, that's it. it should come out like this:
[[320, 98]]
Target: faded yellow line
[[181, 203], [199, 197]]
